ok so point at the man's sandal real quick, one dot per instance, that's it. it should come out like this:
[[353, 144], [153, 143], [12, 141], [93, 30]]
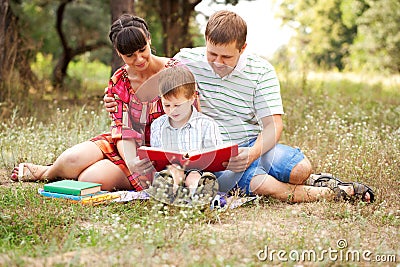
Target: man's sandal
[[323, 180], [360, 191]]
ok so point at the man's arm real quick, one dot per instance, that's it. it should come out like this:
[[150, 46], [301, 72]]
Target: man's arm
[[269, 136], [267, 139]]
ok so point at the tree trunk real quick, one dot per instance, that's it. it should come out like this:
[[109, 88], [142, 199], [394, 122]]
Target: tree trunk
[[119, 7], [60, 70], [8, 44], [175, 18]]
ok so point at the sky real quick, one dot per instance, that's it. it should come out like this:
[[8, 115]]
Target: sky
[[264, 33]]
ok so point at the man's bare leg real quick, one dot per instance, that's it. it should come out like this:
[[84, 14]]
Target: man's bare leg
[[300, 172], [269, 186]]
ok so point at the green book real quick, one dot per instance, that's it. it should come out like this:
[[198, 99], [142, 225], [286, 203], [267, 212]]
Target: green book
[[72, 187]]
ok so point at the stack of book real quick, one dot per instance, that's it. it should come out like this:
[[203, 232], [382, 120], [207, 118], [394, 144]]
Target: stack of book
[[77, 191]]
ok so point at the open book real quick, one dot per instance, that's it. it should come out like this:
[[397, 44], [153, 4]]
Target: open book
[[206, 160]]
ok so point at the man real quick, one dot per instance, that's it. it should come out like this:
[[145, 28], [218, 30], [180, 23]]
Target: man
[[242, 93]]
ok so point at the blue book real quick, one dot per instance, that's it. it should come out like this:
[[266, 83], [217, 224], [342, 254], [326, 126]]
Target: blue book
[[94, 198]]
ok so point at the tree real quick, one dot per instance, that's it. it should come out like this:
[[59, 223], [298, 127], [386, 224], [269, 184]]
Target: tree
[[84, 33], [377, 46], [8, 42], [119, 7], [177, 19], [15, 51], [321, 34], [352, 34]]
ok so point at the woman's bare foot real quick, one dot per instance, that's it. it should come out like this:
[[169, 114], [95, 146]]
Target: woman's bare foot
[[29, 172]]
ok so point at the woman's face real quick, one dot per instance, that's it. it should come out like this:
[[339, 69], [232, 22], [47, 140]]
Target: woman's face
[[139, 60]]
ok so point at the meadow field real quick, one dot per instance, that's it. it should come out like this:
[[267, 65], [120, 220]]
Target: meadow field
[[347, 125]]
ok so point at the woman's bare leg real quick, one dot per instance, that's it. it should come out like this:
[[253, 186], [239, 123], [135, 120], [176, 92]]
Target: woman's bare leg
[[68, 165], [108, 174]]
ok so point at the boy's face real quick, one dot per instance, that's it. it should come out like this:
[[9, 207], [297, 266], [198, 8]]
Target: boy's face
[[178, 109], [223, 58]]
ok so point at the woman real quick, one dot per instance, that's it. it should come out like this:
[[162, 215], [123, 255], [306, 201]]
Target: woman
[[107, 159]]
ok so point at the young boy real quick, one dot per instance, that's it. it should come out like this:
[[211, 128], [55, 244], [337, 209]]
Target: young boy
[[182, 128]]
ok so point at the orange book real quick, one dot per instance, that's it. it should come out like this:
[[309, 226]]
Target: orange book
[[206, 160]]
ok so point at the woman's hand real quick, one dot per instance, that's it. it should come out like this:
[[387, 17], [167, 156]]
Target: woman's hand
[[109, 103], [141, 166]]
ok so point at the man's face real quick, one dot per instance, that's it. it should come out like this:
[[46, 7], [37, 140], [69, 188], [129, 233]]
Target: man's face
[[223, 58]]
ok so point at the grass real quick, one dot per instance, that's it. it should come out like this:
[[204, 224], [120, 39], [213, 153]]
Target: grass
[[345, 126]]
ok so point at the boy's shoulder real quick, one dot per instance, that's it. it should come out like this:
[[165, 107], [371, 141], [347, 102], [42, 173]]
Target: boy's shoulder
[[159, 121]]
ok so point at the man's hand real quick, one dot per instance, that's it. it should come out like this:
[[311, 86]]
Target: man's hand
[[242, 161], [267, 139], [109, 103]]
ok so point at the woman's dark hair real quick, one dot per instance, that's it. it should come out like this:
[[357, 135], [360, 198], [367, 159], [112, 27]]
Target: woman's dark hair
[[129, 34]]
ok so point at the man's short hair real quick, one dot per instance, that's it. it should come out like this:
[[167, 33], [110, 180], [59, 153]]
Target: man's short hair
[[225, 27]]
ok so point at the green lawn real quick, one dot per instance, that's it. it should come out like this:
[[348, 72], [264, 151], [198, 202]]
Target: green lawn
[[346, 125]]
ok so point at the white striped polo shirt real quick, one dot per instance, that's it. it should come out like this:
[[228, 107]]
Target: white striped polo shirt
[[239, 100]]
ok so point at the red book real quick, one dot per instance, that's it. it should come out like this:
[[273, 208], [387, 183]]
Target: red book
[[206, 160]]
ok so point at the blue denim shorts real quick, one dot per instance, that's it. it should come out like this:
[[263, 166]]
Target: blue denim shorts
[[277, 162]]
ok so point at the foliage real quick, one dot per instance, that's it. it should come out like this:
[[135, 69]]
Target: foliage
[[377, 46], [174, 18], [348, 126], [321, 36], [345, 34], [86, 20], [36, 22], [84, 28]]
